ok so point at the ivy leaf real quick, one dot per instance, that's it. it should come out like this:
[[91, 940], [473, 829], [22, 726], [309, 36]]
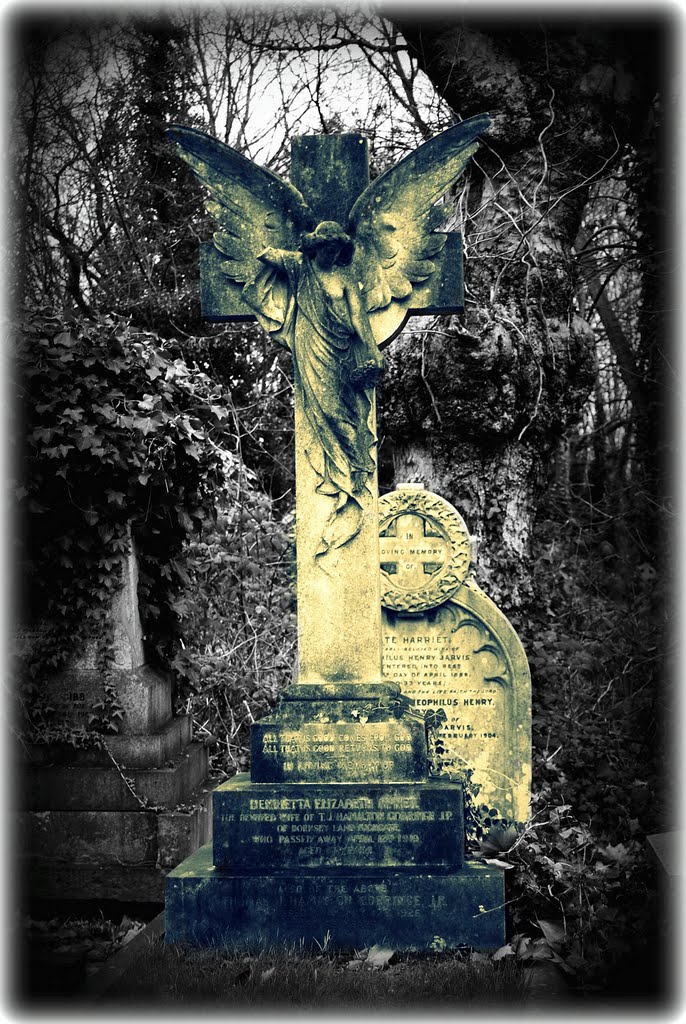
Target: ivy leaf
[[65, 340], [185, 520], [153, 372], [142, 424], [554, 931]]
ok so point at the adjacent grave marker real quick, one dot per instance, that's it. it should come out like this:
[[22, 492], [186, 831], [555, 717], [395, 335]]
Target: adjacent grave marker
[[108, 821], [450, 649]]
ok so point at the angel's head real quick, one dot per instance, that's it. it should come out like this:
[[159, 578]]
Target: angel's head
[[328, 244]]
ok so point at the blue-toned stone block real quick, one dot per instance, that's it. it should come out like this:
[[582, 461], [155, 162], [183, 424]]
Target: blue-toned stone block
[[274, 827], [406, 910]]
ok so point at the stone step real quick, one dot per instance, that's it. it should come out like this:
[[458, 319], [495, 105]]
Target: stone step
[[206, 907], [119, 855], [284, 827], [86, 788], [144, 751]]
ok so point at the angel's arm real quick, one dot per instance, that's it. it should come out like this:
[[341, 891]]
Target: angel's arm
[[360, 322], [275, 257]]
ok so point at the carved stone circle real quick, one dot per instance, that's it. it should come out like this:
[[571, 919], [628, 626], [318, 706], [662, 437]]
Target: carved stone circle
[[443, 521]]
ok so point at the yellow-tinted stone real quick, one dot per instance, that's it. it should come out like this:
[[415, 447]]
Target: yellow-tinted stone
[[460, 659]]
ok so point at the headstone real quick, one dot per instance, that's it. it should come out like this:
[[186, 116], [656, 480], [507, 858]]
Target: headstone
[[339, 829], [109, 821], [452, 652]]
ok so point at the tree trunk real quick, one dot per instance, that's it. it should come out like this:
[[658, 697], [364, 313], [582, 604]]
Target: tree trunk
[[475, 406]]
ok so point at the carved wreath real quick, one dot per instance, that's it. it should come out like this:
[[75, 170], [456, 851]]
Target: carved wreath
[[450, 524]]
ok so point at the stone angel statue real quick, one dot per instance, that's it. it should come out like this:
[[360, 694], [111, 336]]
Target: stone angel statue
[[315, 286]]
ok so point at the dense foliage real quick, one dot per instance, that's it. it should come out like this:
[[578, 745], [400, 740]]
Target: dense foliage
[[120, 438], [238, 626]]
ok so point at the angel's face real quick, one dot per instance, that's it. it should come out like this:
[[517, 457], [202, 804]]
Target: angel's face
[[331, 254], [328, 246]]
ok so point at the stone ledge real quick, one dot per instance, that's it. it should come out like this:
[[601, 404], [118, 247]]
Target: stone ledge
[[339, 691], [407, 911], [90, 788], [144, 751]]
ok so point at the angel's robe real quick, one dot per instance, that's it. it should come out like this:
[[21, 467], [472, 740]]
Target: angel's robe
[[319, 333]]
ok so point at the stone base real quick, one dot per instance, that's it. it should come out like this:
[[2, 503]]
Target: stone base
[[404, 910], [82, 787], [118, 855]]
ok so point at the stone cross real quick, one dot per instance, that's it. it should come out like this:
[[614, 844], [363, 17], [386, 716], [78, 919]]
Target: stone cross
[[410, 553], [339, 625]]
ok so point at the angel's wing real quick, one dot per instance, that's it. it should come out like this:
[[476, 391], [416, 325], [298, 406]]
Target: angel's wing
[[255, 209], [393, 221]]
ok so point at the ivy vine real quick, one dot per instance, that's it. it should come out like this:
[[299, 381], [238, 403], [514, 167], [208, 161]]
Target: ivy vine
[[116, 439]]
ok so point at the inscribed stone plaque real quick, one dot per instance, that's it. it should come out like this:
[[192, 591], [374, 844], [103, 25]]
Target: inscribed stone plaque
[[337, 751], [282, 826], [462, 657]]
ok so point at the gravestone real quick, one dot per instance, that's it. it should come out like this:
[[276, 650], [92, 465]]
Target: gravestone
[[339, 828], [110, 821], [450, 649]]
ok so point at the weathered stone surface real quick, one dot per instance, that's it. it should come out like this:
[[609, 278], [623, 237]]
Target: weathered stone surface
[[144, 695], [178, 835], [338, 741], [461, 658], [108, 855], [264, 828], [332, 298], [87, 837], [84, 788], [125, 639], [403, 910], [145, 751], [182, 830]]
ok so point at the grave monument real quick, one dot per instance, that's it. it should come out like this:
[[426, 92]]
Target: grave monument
[[108, 821], [453, 652], [339, 828]]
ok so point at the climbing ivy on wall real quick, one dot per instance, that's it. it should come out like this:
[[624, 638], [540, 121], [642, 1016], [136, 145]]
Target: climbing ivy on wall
[[112, 429]]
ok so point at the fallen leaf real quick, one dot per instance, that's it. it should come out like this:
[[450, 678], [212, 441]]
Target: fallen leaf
[[379, 957], [554, 931]]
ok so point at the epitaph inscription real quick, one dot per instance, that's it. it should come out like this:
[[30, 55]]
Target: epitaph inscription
[[336, 751], [315, 825]]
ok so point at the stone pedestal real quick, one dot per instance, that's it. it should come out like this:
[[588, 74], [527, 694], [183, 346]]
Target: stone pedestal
[[340, 831], [109, 820]]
